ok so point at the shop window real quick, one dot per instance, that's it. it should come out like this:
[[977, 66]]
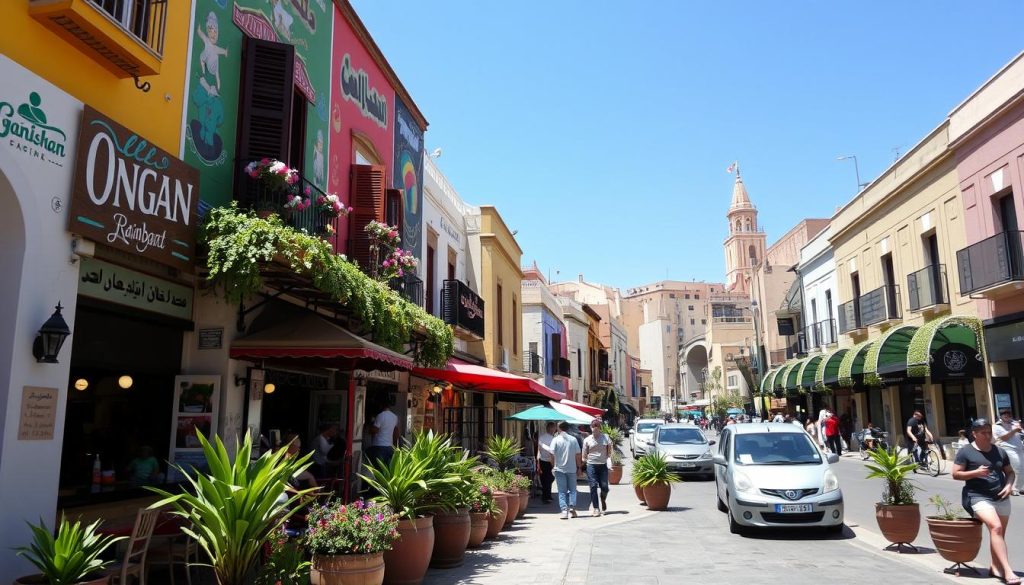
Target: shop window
[[515, 329], [958, 406], [431, 261], [500, 313]]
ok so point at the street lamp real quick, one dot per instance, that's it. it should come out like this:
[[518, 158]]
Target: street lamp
[[50, 338], [856, 169]]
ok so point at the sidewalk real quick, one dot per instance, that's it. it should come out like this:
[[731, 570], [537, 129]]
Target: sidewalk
[[539, 546]]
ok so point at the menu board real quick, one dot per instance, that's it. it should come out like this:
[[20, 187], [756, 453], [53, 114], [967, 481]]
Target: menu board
[[196, 402], [38, 414]]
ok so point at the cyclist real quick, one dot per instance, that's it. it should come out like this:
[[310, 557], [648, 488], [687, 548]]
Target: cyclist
[[871, 436], [919, 435]]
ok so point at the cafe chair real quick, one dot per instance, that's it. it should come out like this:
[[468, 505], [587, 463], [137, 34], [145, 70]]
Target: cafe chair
[[134, 560], [174, 550]]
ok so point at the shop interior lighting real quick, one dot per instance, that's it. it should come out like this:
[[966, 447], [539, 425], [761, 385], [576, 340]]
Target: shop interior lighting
[[269, 388], [81, 384], [50, 338], [125, 382]]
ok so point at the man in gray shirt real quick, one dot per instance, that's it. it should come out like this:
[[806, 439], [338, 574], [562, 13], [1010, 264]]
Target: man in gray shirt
[[566, 451]]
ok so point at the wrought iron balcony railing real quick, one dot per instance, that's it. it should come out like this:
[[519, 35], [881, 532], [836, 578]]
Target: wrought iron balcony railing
[[266, 196], [991, 262], [881, 304], [927, 287], [145, 20], [849, 316], [409, 286], [531, 362], [819, 334]]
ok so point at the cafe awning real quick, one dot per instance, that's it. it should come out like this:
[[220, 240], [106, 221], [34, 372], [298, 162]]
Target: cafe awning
[[852, 364], [827, 373], [768, 384], [571, 412], [483, 379], [936, 335], [286, 332], [787, 378], [805, 378], [887, 354], [591, 410]]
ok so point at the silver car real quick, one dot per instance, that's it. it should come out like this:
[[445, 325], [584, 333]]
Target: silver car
[[686, 449], [642, 434], [773, 475]]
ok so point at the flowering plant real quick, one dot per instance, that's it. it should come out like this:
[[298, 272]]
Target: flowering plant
[[358, 528], [285, 562], [331, 205], [297, 202], [481, 499], [382, 234], [272, 170], [397, 263]]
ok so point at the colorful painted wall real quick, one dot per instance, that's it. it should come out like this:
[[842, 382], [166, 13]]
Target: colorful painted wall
[[408, 176], [362, 111], [215, 61]]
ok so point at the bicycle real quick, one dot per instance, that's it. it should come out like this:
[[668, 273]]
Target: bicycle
[[880, 438], [932, 461]]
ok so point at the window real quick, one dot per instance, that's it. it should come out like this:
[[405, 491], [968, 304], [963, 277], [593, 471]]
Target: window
[[828, 304], [671, 295], [732, 381], [501, 318], [431, 260], [579, 363], [515, 329], [693, 322], [697, 296], [703, 321], [689, 308]]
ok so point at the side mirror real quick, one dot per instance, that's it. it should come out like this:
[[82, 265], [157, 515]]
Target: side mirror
[[832, 458], [711, 442], [651, 443], [718, 458]]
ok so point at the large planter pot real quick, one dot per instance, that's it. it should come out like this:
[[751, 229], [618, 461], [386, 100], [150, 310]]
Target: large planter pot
[[614, 474], [477, 529], [496, 521], [657, 495], [899, 524], [39, 579], [639, 491], [451, 537], [513, 508], [406, 563], [958, 541], [524, 503], [365, 569]]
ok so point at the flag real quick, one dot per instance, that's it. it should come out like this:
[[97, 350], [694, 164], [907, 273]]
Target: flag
[[731, 168]]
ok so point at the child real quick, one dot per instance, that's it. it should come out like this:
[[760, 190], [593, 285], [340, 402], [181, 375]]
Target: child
[[962, 440]]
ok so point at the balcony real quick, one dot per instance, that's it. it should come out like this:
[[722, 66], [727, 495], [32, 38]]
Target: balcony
[[561, 368], [531, 363], [927, 288], [605, 376], [818, 335], [463, 309], [880, 305], [849, 317], [992, 268], [125, 36], [266, 197], [410, 287]]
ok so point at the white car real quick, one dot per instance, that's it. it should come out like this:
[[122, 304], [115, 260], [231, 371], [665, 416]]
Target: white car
[[773, 475], [643, 432]]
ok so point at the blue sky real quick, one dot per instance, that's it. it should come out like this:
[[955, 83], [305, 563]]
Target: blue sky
[[602, 130]]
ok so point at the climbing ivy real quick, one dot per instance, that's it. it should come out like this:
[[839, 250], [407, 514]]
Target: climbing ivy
[[846, 366], [919, 351]]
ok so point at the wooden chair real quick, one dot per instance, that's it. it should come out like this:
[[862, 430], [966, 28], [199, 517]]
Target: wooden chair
[[134, 560], [178, 549]]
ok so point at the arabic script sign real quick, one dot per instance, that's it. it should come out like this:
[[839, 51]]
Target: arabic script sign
[[38, 414], [114, 284], [131, 195]]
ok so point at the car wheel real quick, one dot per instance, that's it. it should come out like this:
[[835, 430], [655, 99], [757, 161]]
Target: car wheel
[[734, 527], [721, 505]]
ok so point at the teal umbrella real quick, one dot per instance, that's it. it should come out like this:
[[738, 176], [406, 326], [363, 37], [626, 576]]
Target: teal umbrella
[[544, 413], [734, 411]]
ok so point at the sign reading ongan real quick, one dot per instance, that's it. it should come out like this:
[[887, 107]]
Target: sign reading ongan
[[131, 195]]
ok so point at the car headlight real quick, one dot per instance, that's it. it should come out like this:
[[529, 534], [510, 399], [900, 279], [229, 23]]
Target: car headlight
[[743, 483], [831, 482], [706, 455]]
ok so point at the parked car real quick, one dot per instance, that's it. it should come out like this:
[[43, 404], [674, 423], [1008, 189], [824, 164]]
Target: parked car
[[642, 433], [772, 475], [686, 449]]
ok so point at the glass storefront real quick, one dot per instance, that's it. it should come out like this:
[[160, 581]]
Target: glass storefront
[[958, 405]]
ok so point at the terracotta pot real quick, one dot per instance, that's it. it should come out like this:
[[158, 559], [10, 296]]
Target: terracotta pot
[[657, 495], [899, 524], [39, 579], [406, 563], [958, 541], [639, 491], [524, 503], [451, 537], [477, 529], [513, 508], [365, 569], [614, 474], [496, 521]]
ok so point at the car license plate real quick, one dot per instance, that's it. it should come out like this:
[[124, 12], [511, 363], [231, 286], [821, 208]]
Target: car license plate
[[792, 508], [687, 465]]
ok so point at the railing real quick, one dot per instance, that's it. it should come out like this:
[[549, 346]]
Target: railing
[[733, 319], [849, 316], [409, 286], [927, 287], [531, 362], [145, 20], [265, 197], [992, 261], [819, 334], [881, 304]]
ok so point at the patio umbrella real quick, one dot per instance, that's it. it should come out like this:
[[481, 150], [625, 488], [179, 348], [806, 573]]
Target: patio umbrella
[[571, 413], [545, 413], [734, 411]]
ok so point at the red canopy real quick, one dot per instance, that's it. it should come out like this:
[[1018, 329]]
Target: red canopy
[[591, 410], [486, 379]]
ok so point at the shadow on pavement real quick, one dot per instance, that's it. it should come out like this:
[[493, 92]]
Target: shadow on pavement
[[799, 534], [478, 562]]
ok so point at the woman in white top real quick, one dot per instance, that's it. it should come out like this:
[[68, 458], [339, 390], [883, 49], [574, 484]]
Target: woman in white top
[[597, 449]]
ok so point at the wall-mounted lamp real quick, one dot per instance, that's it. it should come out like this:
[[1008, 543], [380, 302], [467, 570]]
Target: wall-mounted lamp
[[81, 384], [125, 382], [268, 388], [50, 338]]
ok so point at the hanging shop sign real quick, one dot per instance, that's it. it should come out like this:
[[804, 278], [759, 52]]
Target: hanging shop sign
[[1005, 342], [107, 282], [462, 308], [956, 361], [131, 195]]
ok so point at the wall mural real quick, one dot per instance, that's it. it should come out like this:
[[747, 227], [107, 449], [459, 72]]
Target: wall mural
[[408, 176], [214, 82]]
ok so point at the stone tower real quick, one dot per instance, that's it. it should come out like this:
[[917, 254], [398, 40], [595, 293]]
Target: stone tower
[[744, 248]]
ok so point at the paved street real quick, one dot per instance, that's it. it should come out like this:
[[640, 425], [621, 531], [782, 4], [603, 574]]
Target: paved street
[[633, 545]]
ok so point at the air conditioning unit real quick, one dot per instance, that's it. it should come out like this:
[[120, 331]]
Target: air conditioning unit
[[503, 364]]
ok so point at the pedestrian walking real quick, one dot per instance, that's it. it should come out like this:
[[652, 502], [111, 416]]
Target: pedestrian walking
[[546, 461], [832, 437], [1008, 436], [822, 416], [985, 469], [812, 430], [597, 450], [567, 460]]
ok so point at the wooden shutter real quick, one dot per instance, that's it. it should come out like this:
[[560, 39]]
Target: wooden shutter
[[265, 107], [394, 214], [367, 199]]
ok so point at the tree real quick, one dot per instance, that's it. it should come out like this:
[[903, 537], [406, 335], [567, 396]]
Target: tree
[[719, 401]]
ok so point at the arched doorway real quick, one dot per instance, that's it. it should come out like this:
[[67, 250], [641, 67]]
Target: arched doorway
[[12, 257]]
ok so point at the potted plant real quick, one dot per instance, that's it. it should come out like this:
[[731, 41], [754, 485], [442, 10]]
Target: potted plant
[[72, 557], [286, 563], [957, 536], [898, 514], [502, 451], [638, 473], [615, 470], [510, 487], [237, 506], [656, 479], [502, 506], [482, 505], [348, 542], [523, 484]]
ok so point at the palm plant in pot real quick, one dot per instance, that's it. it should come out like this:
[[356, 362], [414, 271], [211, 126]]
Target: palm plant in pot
[[957, 536], [502, 451], [898, 514], [348, 542], [615, 471], [71, 557], [656, 479], [638, 472]]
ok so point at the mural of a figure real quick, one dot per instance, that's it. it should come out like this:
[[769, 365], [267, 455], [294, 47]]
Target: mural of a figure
[[206, 95], [282, 20], [318, 159]]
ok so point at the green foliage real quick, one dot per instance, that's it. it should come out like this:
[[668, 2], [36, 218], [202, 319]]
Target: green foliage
[[892, 469], [482, 497], [919, 350], [651, 414], [617, 457], [614, 434], [946, 510], [502, 450], [361, 527], [286, 565], [846, 366], [401, 483], [236, 507], [449, 468], [72, 556], [651, 469], [240, 243]]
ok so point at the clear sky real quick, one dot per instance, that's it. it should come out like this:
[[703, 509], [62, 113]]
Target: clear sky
[[602, 131]]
